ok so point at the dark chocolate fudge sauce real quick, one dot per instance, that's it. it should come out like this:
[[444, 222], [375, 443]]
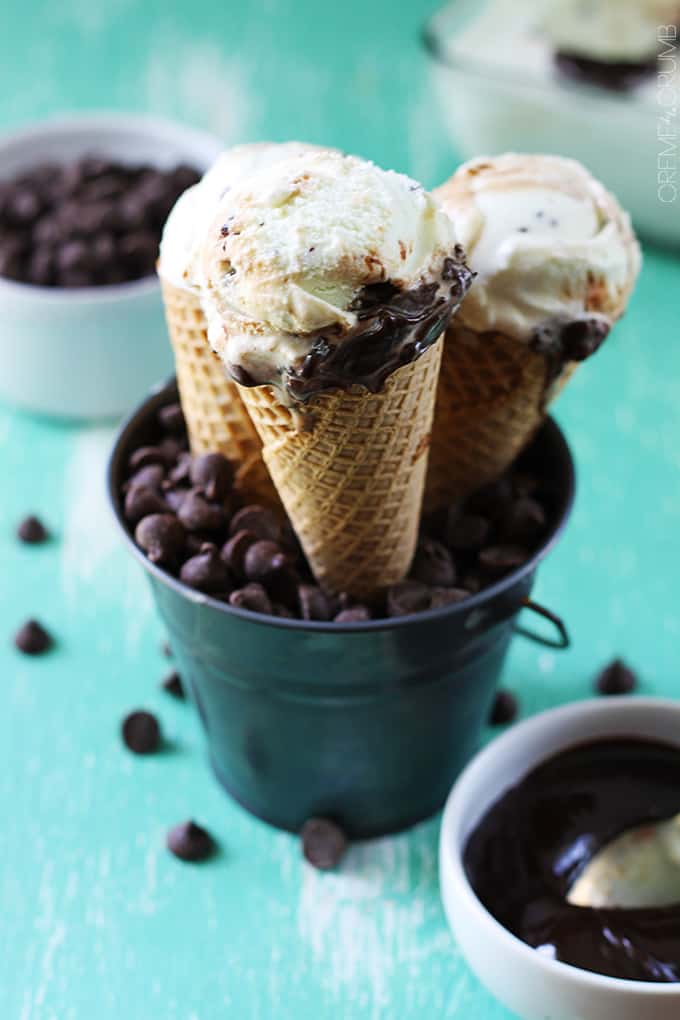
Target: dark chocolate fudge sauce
[[529, 848], [394, 327]]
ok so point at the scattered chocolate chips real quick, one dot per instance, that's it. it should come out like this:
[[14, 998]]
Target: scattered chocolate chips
[[190, 842], [32, 531], [616, 678], [86, 223], [33, 639], [323, 843], [192, 525], [173, 685], [504, 709], [141, 732]]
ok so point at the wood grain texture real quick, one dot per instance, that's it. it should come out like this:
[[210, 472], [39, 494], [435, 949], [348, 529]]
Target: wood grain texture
[[97, 919]]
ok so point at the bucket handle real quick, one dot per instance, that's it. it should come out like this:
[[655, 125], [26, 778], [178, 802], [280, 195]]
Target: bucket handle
[[561, 641]]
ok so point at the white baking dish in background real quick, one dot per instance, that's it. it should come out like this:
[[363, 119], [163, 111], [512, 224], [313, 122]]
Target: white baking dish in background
[[520, 105], [89, 352]]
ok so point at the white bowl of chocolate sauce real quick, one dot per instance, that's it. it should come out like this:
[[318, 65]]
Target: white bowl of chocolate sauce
[[520, 825]]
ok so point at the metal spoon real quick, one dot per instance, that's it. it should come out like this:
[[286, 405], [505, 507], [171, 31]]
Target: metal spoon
[[640, 868]]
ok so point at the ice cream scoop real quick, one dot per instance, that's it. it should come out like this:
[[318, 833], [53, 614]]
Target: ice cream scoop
[[549, 244], [640, 868], [191, 216], [608, 30], [325, 270]]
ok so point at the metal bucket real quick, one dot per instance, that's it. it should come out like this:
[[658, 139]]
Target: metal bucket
[[366, 723]]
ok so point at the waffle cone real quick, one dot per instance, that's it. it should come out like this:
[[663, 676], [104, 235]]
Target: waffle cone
[[351, 473], [492, 396], [217, 421]]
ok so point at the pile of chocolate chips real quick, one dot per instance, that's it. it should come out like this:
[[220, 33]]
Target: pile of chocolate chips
[[187, 517], [86, 223]]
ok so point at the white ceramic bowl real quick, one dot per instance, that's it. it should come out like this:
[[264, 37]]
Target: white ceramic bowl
[[91, 352], [534, 986]]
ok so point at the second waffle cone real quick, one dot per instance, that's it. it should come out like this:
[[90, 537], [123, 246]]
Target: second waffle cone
[[492, 396]]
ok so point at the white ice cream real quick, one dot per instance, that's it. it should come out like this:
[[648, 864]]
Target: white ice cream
[[289, 251], [547, 241], [193, 212], [607, 30]]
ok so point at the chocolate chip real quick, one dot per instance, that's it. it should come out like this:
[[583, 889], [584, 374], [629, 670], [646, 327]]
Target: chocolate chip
[[197, 514], [214, 474], [314, 604], [151, 476], [616, 678], [190, 842], [263, 523], [582, 338], [356, 614], [33, 639], [499, 559], [467, 532], [323, 843], [174, 497], [283, 611], [234, 551], [162, 538], [408, 597], [263, 559], [146, 455], [32, 531], [141, 732], [140, 501], [171, 419], [432, 564], [252, 597], [206, 571], [173, 685], [524, 522], [180, 470], [447, 597], [504, 709]]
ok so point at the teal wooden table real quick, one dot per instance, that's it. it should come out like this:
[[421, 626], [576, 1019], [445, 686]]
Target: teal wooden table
[[97, 919]]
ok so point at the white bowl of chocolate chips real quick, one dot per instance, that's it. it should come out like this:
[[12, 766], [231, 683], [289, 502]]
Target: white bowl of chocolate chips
[[536, 813], [82, 203]]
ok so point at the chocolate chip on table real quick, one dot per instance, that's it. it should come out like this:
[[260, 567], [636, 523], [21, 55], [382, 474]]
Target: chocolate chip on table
[[190, 842], [214, 474], [253, 597], [197, 513], [33, 639], [504, 709], [616, 678], [173, 685], [314, 604], [262, 521], [499, 559], [171, 418], [141, 732], [141, 500], [263, 559], [323, 843], [354, 614], [32, 531], [162, 538], [235, 549], [206, 571], [466, 532], [433, 564]]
